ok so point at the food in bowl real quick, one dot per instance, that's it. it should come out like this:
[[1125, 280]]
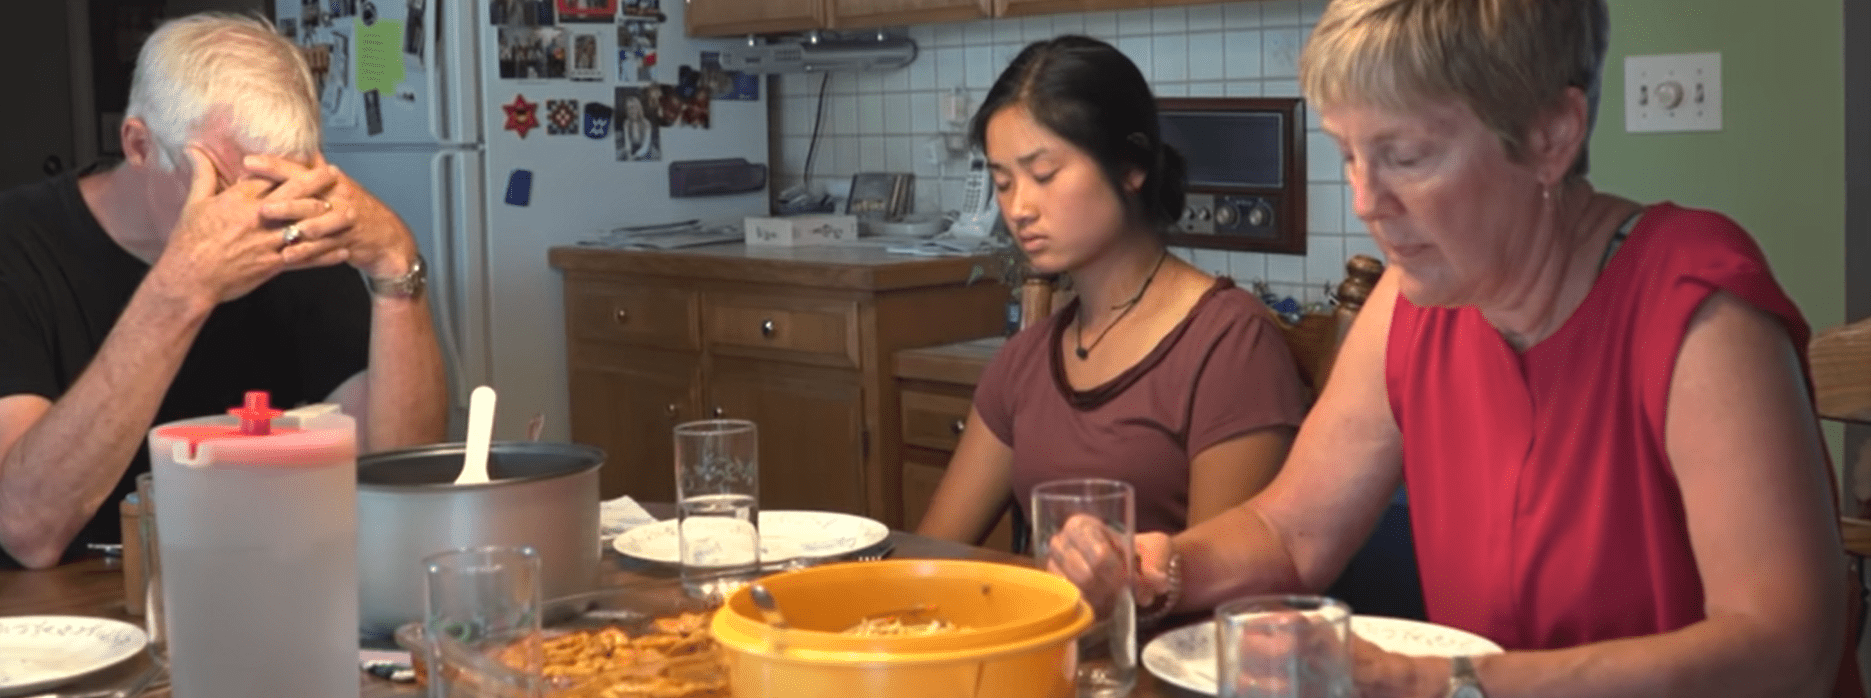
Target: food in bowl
[[920, 620], [670, 657]]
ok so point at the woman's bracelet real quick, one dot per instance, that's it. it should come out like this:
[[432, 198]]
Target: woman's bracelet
[[1167, 601]]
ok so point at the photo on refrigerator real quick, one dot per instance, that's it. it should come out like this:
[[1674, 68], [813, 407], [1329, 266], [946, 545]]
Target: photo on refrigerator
[[638, 138]]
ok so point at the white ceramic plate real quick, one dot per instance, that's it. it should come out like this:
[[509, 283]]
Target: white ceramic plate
[[41, 651], [783, 535], [1186, 656]]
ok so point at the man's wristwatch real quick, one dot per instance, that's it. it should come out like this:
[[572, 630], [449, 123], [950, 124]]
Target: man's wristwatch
[[409, 285], [1463, 682]]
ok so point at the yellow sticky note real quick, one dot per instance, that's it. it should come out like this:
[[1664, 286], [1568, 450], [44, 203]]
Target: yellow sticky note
[[379, 56]]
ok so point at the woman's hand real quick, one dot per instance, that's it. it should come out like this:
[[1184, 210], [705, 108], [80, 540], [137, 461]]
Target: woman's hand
[[1381, 674], [1091, 556]]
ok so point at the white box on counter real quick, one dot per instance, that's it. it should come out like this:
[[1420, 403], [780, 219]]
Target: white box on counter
[[796, 231]]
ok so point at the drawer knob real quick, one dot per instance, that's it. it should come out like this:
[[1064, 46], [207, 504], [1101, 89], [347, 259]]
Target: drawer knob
[[620, 316], [957, 426], [720, 412], [670, 410], [766, 328]]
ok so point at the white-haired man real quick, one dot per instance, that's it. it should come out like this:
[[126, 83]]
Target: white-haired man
[[212, 261]]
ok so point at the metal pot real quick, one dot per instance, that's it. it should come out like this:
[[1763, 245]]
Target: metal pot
[[540, 494]]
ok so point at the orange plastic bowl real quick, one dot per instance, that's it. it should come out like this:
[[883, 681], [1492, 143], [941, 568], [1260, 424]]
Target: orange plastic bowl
[[1018, 628]]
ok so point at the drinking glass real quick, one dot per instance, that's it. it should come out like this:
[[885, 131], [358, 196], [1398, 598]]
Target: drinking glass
[[1090, 519], [153, 618], [717, 505], [1283, 647], [483, 613]]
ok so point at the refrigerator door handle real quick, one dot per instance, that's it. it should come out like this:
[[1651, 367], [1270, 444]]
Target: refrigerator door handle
[[438, 100], [445, 304]]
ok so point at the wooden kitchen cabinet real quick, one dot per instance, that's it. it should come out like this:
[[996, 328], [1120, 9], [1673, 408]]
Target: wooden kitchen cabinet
[[798, 340], [855, 14], [936, 390], [733, 17]]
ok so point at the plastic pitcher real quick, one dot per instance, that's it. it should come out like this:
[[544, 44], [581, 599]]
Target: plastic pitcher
[[259, 550]]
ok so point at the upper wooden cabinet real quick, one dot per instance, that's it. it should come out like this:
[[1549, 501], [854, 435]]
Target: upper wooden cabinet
[[855, 14], [735, 17], [732, 17]]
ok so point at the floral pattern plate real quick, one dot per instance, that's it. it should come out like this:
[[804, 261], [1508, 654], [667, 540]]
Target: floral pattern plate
[[1186, 656], [41, 651], [784, 535]]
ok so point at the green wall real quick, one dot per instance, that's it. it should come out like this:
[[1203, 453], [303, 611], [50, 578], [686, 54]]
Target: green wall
[[1778, 164]]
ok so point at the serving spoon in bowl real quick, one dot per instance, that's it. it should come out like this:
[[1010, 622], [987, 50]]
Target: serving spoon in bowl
[[480, 436]]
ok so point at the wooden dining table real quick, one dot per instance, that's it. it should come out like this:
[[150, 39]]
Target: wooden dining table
[[94, 587]]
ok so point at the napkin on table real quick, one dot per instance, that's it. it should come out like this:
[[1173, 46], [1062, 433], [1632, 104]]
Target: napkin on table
[[621, 514]]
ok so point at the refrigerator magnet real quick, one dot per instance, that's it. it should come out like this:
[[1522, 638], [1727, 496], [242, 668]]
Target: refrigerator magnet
[[597, 120], [520, 187], [522, 116], [561, 117]]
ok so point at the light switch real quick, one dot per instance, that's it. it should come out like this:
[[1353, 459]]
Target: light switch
[[1674, 92]]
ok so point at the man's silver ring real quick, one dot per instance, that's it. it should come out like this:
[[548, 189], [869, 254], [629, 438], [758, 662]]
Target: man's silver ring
[[292, 234], [327, 206]]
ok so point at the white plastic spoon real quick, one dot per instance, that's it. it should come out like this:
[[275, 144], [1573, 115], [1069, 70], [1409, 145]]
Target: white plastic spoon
[[480, 433]]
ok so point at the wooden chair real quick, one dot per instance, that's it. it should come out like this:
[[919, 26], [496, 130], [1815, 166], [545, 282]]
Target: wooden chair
[[1841, 364], [1313, 340]]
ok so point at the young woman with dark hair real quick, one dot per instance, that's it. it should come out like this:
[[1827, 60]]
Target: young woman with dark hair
[[1157, 374]]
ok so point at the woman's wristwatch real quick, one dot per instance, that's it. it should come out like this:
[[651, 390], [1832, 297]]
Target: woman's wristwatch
[[1463, 681], [1167, 601]]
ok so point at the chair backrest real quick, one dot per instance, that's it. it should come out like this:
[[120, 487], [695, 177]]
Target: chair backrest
[[1313, 340], [1841, 364]]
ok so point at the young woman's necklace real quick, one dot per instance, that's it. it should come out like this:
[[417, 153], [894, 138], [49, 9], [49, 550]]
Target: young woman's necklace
[[1122, 309]]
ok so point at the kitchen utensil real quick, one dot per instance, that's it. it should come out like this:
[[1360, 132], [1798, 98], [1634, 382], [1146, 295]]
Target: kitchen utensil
[[770, 610], [480, 432], [1020, 624], [543, 495], [1107, 655], [255, 508]]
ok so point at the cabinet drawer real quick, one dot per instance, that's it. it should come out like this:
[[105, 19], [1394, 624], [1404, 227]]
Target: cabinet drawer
[[803, 330], [933, 420], [647, 315]]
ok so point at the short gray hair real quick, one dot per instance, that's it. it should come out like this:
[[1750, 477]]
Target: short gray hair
[[194, 64]]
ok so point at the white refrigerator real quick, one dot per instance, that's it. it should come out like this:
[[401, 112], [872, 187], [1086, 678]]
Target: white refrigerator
[[424, 104]]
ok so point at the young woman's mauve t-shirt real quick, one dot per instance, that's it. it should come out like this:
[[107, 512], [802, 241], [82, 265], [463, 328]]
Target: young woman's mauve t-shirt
[[1223, 372]]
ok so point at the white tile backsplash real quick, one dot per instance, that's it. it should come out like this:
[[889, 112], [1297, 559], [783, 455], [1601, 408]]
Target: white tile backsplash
[[1169, 20], [1207, 56], [1169, 58], [888, 120], [1203, 17], [1241, 51]]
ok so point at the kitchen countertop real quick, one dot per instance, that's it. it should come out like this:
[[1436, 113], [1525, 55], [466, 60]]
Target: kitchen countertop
[[867, 268]]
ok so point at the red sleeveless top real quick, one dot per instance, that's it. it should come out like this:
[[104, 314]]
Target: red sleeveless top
[[1545, 510]]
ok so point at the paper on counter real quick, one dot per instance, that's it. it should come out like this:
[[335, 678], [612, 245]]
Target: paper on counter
[[621, 514]]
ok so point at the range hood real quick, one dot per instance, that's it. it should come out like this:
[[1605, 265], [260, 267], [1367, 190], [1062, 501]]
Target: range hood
[[816, 52]]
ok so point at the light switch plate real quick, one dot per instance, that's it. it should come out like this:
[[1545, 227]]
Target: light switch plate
[[1673, 92]]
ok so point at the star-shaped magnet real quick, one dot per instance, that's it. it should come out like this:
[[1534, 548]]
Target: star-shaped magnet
[[522, 115]]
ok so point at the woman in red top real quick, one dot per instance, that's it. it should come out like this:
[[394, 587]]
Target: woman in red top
[[1600, 409]]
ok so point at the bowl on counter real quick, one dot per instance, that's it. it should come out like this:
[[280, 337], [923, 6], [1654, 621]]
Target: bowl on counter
[[1012, 631], [646, 640], [543, 495]]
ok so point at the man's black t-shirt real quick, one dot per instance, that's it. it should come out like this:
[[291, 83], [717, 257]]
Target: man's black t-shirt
[[64, 281]]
